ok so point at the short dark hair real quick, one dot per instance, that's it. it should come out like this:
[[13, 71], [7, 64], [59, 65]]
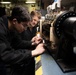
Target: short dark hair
[[20, 13]]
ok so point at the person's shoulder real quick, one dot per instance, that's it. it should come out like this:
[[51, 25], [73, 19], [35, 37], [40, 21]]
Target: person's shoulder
[[3, 25], [1, 20]]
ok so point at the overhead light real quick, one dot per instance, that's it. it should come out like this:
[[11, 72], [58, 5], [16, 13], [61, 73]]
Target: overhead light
[[5, 2], [30, 2]]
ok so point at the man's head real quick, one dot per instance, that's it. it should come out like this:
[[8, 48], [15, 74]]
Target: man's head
[[20, 17], [35, 16]]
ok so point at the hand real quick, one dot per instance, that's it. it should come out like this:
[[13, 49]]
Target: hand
[[39, 50], [36, 40]]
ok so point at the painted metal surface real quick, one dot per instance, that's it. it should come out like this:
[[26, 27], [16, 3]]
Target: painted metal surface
[[50, 67]]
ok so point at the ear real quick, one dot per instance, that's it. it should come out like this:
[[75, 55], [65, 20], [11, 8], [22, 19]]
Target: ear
[[14, 21]]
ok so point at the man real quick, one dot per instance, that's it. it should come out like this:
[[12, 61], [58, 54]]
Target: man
[[32, 27], [14, 56], [36, 16]]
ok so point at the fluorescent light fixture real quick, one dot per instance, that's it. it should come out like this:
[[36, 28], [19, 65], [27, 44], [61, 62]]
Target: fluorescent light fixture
[[30, 2], [5, 2]]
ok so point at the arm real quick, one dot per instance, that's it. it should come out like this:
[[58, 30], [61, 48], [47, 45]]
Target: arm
[[8, 54], [15, 56], [17, 41]]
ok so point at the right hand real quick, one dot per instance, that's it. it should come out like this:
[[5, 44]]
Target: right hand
[[39, 50], [36, 40]]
